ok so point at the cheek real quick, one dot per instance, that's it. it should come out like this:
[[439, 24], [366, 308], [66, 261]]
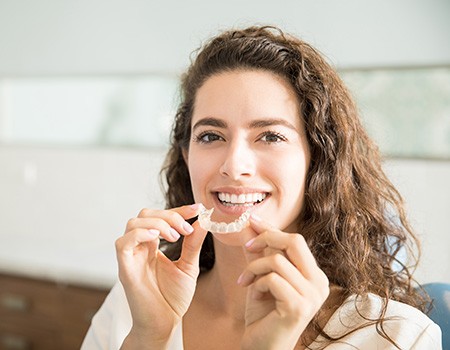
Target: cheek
[[291, 172], [200, 170], [290, 162], [195, 174], [291, 180]]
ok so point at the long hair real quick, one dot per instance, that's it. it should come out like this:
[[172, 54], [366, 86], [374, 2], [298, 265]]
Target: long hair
[[352, 217]]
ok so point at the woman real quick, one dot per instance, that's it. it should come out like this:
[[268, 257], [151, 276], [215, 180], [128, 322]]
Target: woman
[[266, 127]]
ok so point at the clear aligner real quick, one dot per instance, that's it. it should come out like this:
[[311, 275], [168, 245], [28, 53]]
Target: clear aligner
[[204, 218]]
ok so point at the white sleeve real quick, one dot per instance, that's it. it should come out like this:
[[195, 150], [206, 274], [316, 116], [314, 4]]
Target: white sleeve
[[111, 324], [430, 338], [408, 327]]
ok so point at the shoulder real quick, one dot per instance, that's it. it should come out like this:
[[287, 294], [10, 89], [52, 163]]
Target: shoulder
[[404, 324]]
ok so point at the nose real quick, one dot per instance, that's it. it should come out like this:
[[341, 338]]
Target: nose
[[239, 161]]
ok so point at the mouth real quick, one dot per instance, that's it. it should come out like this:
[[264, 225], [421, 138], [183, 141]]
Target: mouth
[[241, 200]]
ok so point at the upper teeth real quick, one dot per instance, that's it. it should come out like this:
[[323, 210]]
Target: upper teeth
[[241, 198]]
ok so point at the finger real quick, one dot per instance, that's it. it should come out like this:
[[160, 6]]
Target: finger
[[257, 226], [134, 238], [166, 230], [186, 211], [192, 245], [274, 263], [294, 246], [286, 297], [127, 245], [289, 305], [174, 217], [189, 211]]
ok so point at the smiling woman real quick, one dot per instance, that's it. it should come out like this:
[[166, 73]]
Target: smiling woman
[[265, 126]]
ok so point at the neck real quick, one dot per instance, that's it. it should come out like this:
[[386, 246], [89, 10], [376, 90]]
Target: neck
[[220, 284]]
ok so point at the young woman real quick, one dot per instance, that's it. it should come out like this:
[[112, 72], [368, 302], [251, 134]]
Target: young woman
[[266, 127]]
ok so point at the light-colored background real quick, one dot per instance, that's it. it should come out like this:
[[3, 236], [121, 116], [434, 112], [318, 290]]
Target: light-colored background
[[61, 208]]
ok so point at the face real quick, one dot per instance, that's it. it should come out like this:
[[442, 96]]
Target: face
[[248, 148]]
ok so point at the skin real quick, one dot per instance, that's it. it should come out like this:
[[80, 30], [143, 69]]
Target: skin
[[265, 286]]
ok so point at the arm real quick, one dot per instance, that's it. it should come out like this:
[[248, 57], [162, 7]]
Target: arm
[[158, 291]]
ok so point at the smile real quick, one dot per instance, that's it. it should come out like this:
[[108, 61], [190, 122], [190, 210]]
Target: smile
[[244, 199]]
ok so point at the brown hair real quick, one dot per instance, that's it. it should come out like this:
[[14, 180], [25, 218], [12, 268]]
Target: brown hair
[[353, 217]]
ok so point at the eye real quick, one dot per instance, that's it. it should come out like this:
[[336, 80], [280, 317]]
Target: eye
[[207, 137], [272, 137]]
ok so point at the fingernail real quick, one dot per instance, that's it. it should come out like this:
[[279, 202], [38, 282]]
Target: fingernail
[[174, 233], [153, 232], [245, 279], [194, 206], [250, 242], [255, 217], [187, 227]]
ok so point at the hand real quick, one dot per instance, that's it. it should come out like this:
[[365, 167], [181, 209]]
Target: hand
[[286, 288], [159, 291]]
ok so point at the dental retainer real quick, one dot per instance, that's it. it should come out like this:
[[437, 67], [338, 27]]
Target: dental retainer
[[204, 218]]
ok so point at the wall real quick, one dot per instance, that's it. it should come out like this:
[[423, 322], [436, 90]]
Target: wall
[[135, 36], [79, 198], [424, 187], [61, 209]]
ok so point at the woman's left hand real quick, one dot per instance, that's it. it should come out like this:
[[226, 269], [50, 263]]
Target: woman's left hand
[[286, 288]]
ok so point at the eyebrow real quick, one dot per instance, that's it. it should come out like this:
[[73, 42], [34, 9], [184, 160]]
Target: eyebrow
[[255, 124], [219, 123], [261, 123]]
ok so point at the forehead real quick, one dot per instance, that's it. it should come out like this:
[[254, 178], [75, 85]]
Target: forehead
[[243, 95]]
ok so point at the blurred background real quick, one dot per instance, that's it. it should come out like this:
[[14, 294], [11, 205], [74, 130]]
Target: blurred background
[[88, 90]]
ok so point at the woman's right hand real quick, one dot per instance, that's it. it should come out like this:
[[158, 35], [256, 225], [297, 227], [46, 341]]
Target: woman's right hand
[[159, 291]]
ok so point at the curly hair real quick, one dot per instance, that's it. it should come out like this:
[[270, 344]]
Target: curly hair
[[352, 214]]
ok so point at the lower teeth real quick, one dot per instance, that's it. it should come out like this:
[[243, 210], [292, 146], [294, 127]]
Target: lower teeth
[[228, 204], [238, 205]]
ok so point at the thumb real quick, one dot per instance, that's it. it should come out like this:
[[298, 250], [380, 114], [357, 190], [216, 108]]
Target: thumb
[[257, 227], [189, 211], [192, 245]]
